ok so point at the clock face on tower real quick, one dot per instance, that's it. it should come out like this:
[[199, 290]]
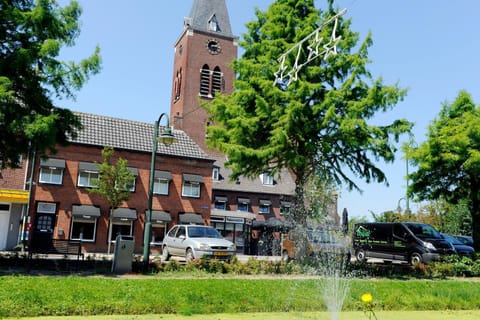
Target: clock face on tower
[[213, 46]]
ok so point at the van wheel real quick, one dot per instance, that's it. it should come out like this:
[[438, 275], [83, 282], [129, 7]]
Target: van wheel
[[415, 259], [285, 256], [361, 256]]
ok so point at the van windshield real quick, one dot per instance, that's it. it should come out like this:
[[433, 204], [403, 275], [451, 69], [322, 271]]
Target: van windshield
[[423, 231]]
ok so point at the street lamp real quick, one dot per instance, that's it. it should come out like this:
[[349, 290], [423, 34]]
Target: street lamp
[[166, 138]]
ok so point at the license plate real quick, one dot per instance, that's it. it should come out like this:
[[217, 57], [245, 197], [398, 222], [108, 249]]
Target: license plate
[[220, 253]]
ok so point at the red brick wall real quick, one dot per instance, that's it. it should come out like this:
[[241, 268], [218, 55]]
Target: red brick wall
[[13, 178], [69, 194]]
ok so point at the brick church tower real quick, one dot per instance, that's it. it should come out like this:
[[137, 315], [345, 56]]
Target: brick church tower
[[203, 54]]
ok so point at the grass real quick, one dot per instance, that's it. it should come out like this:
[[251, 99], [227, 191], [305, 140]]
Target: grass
[[34, 296]]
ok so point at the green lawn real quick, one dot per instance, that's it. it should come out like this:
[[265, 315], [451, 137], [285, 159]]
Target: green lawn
[[212, 297]]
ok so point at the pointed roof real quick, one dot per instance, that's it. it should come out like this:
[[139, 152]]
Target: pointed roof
[[210, 16]]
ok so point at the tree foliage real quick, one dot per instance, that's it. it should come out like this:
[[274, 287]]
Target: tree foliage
[[448, 162], [323, 121], [32, 34], [115, 180]]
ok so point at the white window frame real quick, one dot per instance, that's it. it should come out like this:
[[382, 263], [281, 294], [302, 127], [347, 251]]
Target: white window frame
[[89, 176], [191, 189], [161, 186], [263, 208], [84, 220], [47, 207], [48, 175], [267, 179], [216, 174], [124, 223]]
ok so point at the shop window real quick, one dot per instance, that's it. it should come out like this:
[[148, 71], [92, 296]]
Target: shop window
[[83, 229], [121, 227], [158, 233]]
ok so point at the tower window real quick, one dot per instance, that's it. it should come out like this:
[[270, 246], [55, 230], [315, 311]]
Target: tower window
[[213, 24], [211, 81]]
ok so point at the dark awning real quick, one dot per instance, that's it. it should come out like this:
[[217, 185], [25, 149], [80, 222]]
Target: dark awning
[[190, 218], [125, 214], [161, 217], [87, 167], [243, 200], [85, 211], [163, 175], [265, 202], [192, 178], [221, 199], [53, 163]]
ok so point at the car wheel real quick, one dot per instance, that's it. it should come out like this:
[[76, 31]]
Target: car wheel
[[285, 256], [189, 257], [165, 254], [415, 259], [361, 256]]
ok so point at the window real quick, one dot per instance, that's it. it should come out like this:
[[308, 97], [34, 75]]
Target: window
[[267, 179], [217, 81], [161, 182], [121, 227], [205, 81], [83, 229], [191, 185], [243, 204], [211, 81], [264, 206], [220, 203], [84, 222], [213, 24], [216, 174], [88, 175], [130, 185], [46, 207], [285, 207], [178, 84], [51, 171]]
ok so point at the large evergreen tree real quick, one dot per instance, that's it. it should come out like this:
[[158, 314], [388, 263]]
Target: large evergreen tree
[[320, 124], [449, 160], [32, 32]]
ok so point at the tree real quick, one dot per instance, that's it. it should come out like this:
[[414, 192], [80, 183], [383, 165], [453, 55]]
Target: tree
[[114, 183], [31, 36], [320, 124], [449, 160]]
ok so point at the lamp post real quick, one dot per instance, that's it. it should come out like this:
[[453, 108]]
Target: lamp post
[[166, 138]]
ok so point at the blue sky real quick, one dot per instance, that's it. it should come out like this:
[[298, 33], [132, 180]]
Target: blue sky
[[430, 47]]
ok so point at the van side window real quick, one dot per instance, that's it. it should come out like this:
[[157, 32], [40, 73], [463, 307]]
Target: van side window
[[382, 232], [399, 231]]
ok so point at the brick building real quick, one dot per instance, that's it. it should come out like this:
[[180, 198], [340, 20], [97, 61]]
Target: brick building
[[63, 207]]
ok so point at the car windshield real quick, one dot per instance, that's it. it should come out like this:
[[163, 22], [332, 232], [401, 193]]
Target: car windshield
[[203, 232], [424, 231]]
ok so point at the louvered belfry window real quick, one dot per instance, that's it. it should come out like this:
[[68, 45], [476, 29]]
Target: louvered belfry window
[[211, 81]]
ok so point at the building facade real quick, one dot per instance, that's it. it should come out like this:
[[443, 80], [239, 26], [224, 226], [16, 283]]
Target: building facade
[[64, 208]]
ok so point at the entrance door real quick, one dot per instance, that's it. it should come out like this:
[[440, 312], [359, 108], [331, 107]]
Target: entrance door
[[4, 221], [43, 230]]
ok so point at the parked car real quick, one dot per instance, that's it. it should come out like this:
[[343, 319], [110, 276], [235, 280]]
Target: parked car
[[195, 242], [319, 242], [409, 242], [461, 248], [468, 240]]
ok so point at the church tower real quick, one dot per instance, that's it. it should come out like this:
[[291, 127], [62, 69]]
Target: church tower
[[203, 54]]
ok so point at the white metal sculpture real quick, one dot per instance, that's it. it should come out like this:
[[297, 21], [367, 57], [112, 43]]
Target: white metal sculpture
[[311, 47]]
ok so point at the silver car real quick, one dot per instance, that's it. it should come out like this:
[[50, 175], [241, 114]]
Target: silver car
[[194, 242]]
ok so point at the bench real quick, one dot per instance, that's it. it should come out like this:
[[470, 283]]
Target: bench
[[56, 247]]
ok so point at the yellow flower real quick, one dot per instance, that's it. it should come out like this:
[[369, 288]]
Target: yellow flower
[[367, 297]]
